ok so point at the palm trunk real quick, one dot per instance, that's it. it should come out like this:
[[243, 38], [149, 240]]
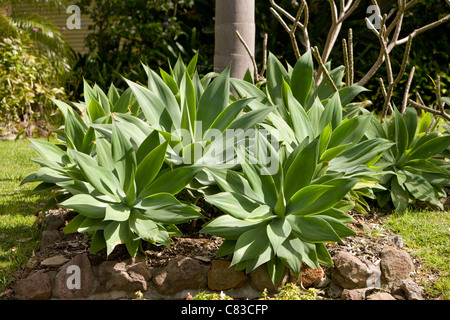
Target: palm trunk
[[232, 15]]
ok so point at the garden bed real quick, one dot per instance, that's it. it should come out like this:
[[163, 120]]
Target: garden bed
[[189, 267]]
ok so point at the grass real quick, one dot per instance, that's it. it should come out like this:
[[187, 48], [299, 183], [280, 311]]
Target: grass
[[19, 234], [427, 236]]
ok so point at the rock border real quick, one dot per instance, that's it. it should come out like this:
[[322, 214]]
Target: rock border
[[64, 269]]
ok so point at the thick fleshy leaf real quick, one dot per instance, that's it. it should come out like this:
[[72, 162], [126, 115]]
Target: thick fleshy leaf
[[151, 105], [188, 104], [74, 224], [276, 73], [350, 131], [148, 230], [347, 94], [251, 244], [231, 181], [86, 205], [50, 152], [298, 118], [95, 110], [332, 113], [228, 115], [411, 120], [430, 148], [360, 154], [301, 171], [75, 130], [302, 77], [291, 252], [166, 209], [307, 196], [115, 233], [338, 226], [98, 242], [276, 269], [278, 230], [123, 155], [401, 133], [325, 89], [164, 93], [45, 174], [399, 196], [214, 100], [234, 204], [171, 181], [228, 227], [259, 178], [313, 229], [150, 166], [99, 177], [317, 198], [117, 212], [419, 187]]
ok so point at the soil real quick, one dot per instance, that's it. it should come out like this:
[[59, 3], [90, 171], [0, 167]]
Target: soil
[[370, 238]]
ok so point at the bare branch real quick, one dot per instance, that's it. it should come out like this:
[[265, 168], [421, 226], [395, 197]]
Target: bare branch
[[408, 86], [398, 17], [252, 58], [424, 28], [404, 61], [430, 110], [345, 15], [294, 28], [438, 94], [285, 26], [350, 56], [316, 54], [346, 60], [264, 66], [296, 21]]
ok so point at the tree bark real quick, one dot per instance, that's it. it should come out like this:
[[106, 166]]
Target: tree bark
[[232, 15]]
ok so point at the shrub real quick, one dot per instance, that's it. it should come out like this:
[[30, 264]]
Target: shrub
[[26, 84], [411, 168]]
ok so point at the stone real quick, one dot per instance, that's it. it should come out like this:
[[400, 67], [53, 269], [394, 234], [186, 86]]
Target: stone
[[124, 276], [396, 264], [222, 277], [354, 294], [397, 241], [180, 274], [308, 276], [350, 272], [52, 222], [75, 279], [411, 289], [380, 296], [54, 261], [260, 280], [334, 290], [49, 237], [36, 287]]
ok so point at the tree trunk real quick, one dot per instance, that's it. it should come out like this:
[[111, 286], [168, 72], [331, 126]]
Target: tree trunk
[[232, 15]]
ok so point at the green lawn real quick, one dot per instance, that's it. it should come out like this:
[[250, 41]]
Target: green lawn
[[18, 209], [427, 237]]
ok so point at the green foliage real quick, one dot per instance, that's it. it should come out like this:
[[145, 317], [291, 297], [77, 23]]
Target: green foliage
[[426, 236], [412, 168], [209, 296], [123, 159], [284, 217], [126, 33], [26, 84], [291, 291]]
